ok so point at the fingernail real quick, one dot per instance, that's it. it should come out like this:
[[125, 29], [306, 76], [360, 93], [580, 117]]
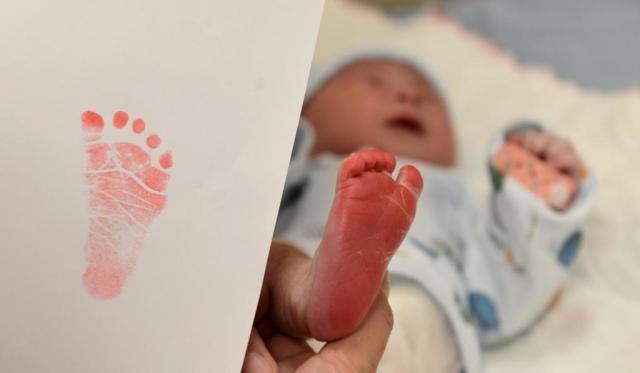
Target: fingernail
[[254, 362]]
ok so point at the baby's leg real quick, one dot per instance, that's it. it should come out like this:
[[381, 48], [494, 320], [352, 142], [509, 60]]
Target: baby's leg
[[419, 326], [370, 216]]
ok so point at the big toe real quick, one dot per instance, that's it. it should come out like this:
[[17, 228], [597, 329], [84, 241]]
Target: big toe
[[410, 178]]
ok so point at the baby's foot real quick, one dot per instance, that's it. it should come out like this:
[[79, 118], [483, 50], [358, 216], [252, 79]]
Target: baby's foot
[[126, 193], [370, 216]]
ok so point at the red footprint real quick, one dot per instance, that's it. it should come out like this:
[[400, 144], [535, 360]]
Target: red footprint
[[126, 193]]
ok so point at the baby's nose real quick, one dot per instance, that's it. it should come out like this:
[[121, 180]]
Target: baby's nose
[[408, 95]]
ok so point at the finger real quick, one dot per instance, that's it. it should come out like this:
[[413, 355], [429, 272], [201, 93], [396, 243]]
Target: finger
[[258, 359], [385, 285], [287, 281], [559, 147], [362, 350], [265, 328], [569, 163], [537, 143], [283, 347], [263, 303], [515, 138]]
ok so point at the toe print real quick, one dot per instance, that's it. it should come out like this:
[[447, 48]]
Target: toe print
[[138, 125], [126, 193]]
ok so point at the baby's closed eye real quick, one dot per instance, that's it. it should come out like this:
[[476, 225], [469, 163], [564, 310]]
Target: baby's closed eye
[[374, 80]]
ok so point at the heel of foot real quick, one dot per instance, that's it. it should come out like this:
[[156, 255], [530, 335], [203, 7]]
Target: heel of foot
[[104, 282]]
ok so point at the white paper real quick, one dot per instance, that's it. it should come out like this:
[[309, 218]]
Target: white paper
[[221, 83]]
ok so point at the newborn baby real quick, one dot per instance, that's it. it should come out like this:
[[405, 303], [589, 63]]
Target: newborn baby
[[488, 275]]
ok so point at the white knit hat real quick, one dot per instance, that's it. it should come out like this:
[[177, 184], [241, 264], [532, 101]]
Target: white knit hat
[[320, 75]]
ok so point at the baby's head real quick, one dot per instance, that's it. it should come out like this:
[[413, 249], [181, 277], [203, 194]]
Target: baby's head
[[382, 102]]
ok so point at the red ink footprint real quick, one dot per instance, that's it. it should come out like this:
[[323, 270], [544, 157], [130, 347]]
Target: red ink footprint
[[126, 193]]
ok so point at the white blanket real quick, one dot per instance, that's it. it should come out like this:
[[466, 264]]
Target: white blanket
[[595, 327]]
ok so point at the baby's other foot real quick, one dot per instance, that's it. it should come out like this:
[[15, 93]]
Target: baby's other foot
[[370, 216]]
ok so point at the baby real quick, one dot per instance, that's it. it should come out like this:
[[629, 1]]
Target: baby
[[488, 274]]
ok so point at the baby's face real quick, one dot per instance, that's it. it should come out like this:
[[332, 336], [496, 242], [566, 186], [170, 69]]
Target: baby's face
[[382, 104]]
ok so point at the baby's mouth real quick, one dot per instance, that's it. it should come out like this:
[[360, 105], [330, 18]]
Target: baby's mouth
[[407, 123]]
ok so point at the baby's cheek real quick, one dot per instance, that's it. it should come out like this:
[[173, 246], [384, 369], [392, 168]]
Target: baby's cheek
[[365, 124]]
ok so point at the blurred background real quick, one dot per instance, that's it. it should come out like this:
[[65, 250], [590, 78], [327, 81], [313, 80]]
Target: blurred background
[[593, 42], [573, 65]]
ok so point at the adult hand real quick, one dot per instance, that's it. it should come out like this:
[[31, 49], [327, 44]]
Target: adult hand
[[278, 338]]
